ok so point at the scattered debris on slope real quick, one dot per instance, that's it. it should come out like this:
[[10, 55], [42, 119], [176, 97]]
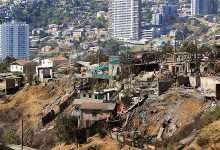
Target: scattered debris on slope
[[157, 120]]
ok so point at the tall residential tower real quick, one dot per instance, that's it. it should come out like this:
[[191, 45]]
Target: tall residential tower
[[14, 40], [204, 7], [124, 19]]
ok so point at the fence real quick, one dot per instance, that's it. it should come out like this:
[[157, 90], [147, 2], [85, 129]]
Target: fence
[[52, 115]]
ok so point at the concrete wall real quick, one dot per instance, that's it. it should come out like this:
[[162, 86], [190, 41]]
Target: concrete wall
[[87, 95], [194, 81], [16, 68], [88, 115], [206, 83]]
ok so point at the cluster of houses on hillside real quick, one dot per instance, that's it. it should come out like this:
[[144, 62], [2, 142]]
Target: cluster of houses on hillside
[[97, 86], [45, 69]]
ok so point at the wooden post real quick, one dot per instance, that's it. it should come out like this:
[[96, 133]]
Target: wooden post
[[5, 86], [22, 135]]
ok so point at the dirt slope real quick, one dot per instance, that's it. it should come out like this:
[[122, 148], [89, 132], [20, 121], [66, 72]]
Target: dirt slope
[[208, 138], [30, 102], [96, 143]]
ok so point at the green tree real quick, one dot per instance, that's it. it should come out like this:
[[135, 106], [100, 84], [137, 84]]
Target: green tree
[[4, 65], [167, 48], [203, 49], [40, 14], [99, 23], [66, 128], [188, 47], [12, 137], [112, 47], [147, 16], [93, 5]]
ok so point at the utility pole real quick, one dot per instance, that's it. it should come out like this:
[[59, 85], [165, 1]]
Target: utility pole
[[196, 57], [98, 53], [129, 65], [175, 43], [22, 135]]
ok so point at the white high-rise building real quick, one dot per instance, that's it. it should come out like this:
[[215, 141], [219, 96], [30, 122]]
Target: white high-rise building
[[195, 7], [124, 19], [14, 40]]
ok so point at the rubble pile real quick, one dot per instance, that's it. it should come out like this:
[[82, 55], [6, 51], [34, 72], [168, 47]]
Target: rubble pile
[[158, 119]]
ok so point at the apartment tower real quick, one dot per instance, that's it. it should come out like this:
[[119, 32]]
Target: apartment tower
[[124, 19], [204, 7], [14, 40]]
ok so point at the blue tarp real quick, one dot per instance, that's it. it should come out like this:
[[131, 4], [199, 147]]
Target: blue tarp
[[101, 68], [103, 76], [114, 62], [159, 43]]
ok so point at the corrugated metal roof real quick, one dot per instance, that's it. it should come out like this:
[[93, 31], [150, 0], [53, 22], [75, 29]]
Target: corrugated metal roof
[[111, 106], [84, 63], [80, 101], [114, 62], [98, 106], [103, 76], [101, 68]]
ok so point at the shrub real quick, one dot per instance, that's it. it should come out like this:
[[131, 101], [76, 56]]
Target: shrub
[[213, 115], [102, 133], [202, 141], [12, 138], [66, 128]]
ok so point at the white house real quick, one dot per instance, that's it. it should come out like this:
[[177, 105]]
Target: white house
[[53, 62], [78, 33], [101, 14], [23, 66], [45, 70]]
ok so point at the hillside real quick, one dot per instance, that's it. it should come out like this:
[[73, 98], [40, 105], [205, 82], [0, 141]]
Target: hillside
[[208, 138], [32, 102], [96, 143]]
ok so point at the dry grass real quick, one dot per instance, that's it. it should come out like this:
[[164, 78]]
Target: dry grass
[[29, 102], [208, 138], [96, 143]]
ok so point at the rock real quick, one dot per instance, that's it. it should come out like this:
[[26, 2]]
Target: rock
[[149, 147], [160, 133]]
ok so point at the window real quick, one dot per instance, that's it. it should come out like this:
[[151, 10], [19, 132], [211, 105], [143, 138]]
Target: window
[[94, 114], [90, 95], [84, 95]]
